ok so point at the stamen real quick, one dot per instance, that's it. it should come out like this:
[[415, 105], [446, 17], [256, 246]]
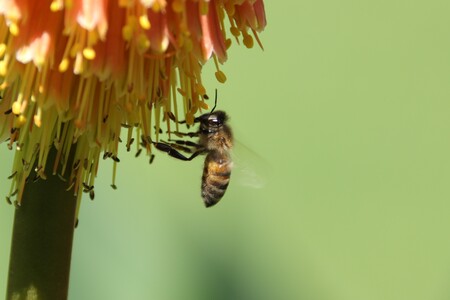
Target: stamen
[[56, 5], [75, 85], [220, 76]]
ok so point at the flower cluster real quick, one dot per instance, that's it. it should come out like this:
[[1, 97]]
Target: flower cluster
[[74, 73]]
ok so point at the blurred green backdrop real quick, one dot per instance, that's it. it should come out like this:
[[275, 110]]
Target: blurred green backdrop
[[349, 109]]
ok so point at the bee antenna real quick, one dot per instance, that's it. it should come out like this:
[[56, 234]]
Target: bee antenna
[[215, 103]]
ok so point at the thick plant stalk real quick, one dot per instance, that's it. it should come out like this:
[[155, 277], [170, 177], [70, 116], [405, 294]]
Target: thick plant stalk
[[42, 240]]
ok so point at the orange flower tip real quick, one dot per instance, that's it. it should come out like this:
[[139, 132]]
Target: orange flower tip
[[41, 90], [14, 29], [177, 6], [63, 65], [144, 22], [248, 41], [56, 5], [221, 77], [143, 43], [16, 107], [89, 53], [2, 49], [127, 32]]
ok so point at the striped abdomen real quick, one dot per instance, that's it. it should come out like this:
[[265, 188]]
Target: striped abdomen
[[216, 176]]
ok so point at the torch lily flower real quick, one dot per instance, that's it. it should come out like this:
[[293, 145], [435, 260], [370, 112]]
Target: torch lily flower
[[74, 74]]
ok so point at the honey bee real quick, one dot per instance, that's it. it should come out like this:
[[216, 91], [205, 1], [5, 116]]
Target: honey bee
[[216, 141]]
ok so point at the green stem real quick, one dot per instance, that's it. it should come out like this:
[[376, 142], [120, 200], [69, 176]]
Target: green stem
[[42, 240]]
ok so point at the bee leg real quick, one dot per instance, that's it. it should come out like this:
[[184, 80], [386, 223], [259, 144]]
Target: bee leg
[[177, 146], [189, 134], [186, 143], [174, 153]]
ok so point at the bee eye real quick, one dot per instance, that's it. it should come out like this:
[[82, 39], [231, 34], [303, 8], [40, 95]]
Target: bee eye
[[213, 122]]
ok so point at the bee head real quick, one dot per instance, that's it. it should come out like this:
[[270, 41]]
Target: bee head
[[212, 122]]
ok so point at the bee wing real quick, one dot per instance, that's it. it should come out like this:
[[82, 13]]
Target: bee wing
[[249, 168]]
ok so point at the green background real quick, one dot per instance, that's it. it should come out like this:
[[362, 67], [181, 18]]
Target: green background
[[348, 112]]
